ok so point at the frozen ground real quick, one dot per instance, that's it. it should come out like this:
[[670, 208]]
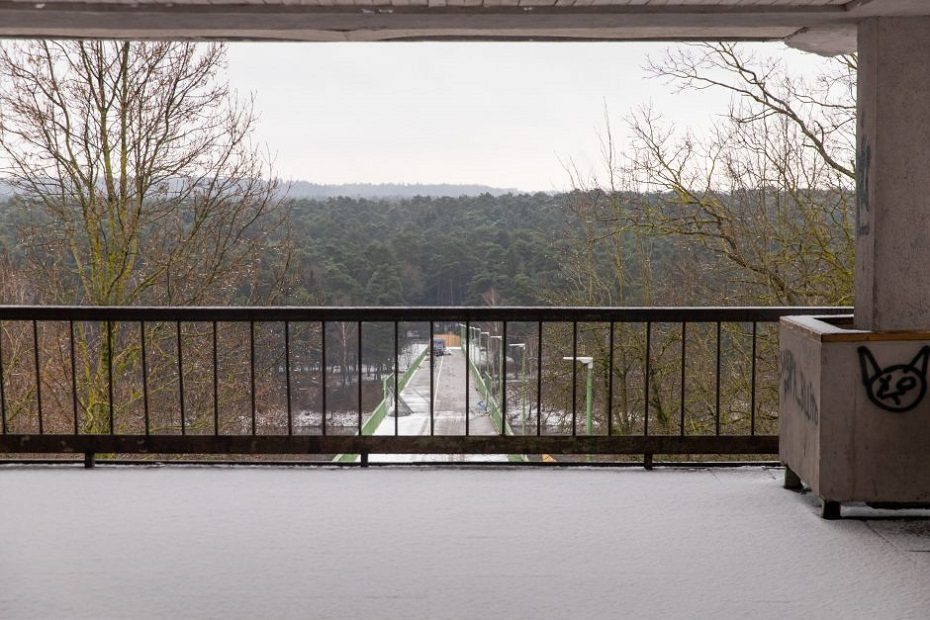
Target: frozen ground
[[125, 542]]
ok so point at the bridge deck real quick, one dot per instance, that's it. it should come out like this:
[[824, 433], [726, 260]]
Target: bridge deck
[[448, 410]]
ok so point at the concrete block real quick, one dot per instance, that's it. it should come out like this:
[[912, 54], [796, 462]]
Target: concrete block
[[854, 410]]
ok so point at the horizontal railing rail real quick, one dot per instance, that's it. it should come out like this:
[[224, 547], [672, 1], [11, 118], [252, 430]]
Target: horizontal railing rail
[[306, 380], [657, 314], [404, 444]]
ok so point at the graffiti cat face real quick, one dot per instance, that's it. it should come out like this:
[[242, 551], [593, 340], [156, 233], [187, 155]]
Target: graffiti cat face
[[900, 387]]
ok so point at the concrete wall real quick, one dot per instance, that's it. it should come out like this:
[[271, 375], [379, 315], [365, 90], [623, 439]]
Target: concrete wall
[[893, 188]]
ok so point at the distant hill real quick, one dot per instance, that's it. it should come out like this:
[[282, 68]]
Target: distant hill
[[305, 189]]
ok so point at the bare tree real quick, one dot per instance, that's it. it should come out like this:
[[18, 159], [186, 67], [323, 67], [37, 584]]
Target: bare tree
[[770, 190], [760, 211], [137, 161], [136, 164]]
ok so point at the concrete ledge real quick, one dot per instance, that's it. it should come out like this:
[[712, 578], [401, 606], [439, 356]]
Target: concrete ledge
[[839, 329]]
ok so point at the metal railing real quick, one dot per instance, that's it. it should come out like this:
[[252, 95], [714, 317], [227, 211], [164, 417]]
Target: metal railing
[[275, 381]]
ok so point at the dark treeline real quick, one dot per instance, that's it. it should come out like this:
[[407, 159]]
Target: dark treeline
[[477, 250], [576, 248]]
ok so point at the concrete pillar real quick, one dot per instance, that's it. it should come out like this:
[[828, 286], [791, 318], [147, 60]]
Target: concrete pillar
[[893, 185]]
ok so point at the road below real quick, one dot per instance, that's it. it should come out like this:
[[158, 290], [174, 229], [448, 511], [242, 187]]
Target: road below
[[448, 410]]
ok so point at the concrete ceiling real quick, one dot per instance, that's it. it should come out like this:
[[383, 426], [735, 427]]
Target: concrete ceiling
[[823, 26]]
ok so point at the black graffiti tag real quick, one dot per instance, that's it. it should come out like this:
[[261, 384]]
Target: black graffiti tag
[[863, 161], [899, 387], [795, 386]]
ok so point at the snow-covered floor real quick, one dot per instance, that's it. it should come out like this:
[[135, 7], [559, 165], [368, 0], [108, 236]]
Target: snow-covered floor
[[209, 542]]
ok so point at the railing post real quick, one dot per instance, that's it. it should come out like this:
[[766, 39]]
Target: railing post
[[89, 460]]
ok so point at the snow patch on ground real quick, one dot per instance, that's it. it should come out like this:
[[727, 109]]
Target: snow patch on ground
[[444, 543]]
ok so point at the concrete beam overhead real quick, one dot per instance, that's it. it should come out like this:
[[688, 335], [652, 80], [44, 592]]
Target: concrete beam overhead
[[822, 26]]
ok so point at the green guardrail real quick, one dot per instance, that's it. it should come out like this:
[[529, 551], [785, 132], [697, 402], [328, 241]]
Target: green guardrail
[[387, 389], [494, 411]]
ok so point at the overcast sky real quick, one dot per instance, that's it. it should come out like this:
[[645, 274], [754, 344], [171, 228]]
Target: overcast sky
[[501, 114]]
